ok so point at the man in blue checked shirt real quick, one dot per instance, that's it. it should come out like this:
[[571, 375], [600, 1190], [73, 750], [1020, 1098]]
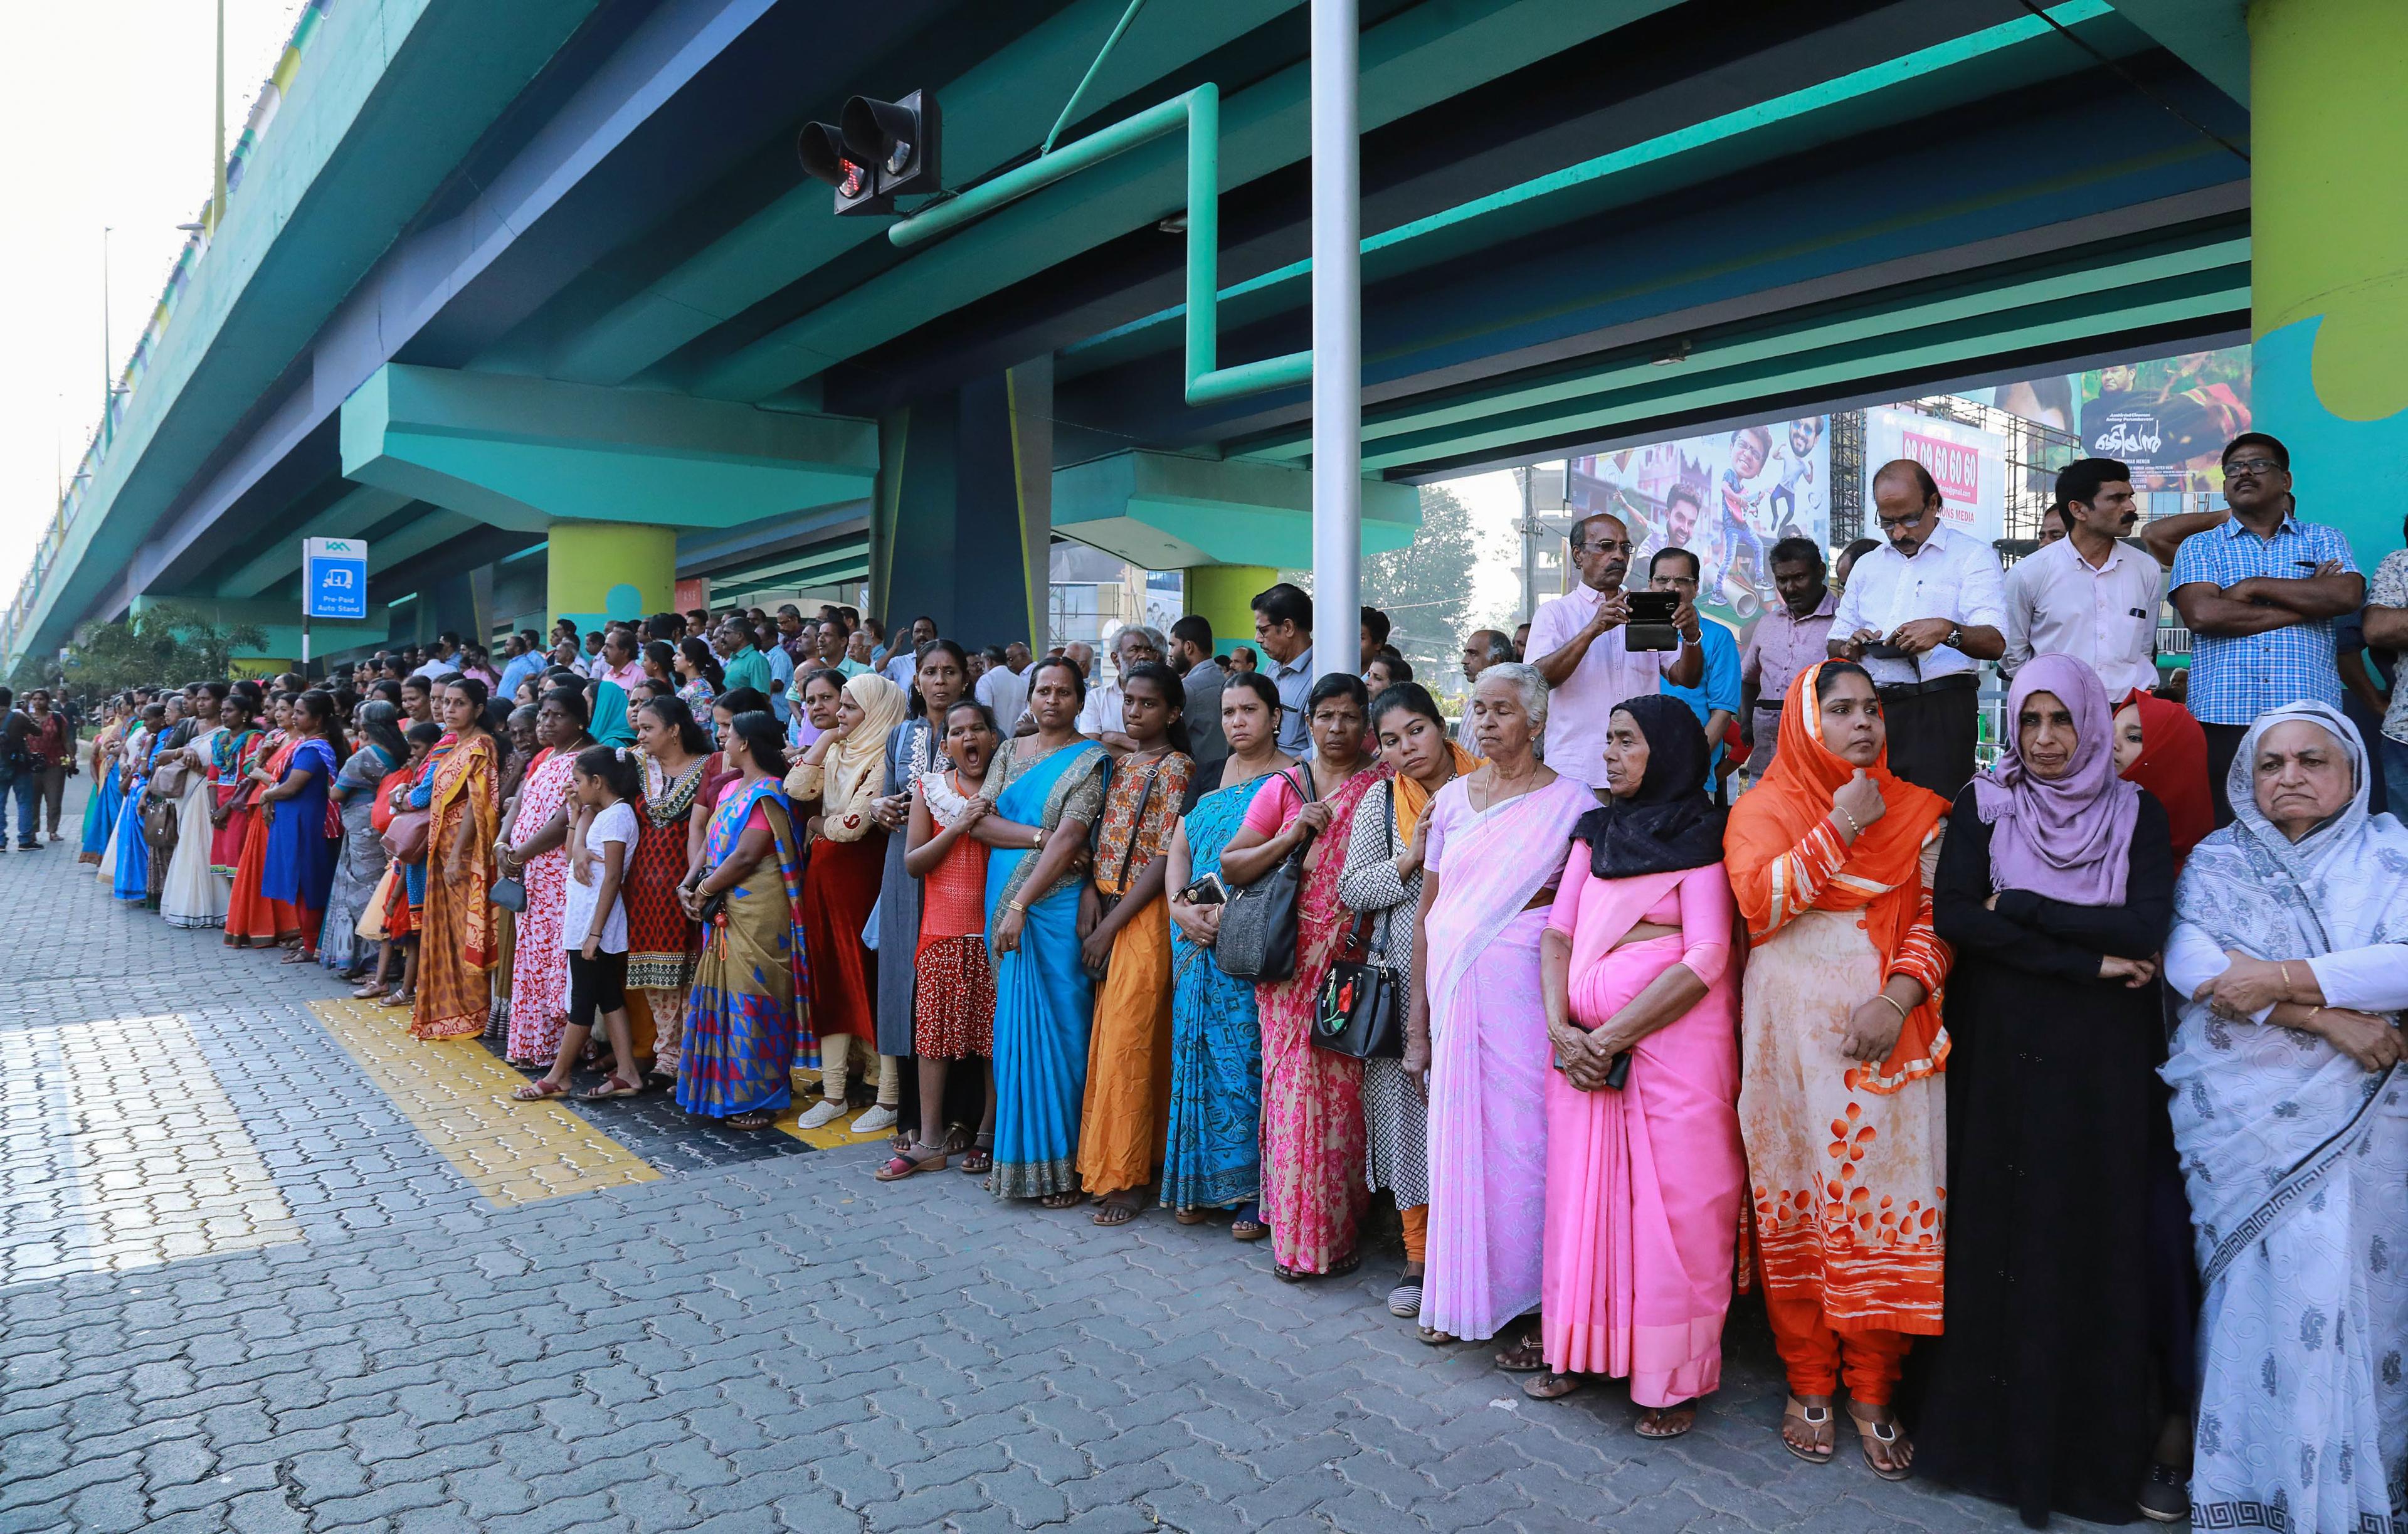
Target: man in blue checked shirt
[[2259, 593]]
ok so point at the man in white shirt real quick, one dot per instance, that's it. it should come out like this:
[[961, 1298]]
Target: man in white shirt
[[903, 665], [1099, 719], [1004, 688], [1921, 613], [2090, 594], [442, 657], [1578, 644]]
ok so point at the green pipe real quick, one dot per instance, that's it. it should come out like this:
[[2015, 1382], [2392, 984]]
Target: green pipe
[[1089, 78], [1199, 111]]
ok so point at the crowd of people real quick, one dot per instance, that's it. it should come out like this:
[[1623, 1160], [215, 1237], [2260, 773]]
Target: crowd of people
[[1664, 974]]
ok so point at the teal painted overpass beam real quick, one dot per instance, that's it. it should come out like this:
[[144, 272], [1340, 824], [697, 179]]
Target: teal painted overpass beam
[[523, 454]]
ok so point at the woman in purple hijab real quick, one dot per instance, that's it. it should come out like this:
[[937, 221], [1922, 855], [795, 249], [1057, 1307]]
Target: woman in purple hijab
[[2056, 888]]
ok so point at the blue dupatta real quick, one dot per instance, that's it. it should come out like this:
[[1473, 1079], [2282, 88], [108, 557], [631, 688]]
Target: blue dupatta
[[131, 880], [1044, 998], [1213, 1157]]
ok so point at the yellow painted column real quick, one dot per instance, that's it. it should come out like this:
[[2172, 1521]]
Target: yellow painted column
[[599, 570], [2329, 282], [1223, 596]]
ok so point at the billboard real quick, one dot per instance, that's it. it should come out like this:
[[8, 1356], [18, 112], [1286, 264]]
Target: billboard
[[2167, 419], [1728, 498], [1968, 464]]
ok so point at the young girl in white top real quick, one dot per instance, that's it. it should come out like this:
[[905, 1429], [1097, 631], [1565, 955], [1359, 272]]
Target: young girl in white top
[[593, 930]]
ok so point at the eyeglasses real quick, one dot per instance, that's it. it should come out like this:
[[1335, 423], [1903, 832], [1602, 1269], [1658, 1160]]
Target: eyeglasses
[[1893, 524], [2251, 466], [1606, 546]]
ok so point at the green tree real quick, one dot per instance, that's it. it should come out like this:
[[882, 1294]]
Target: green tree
[[1426, 587], [166, 643]]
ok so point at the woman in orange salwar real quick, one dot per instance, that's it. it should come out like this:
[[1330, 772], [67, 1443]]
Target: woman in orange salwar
[[1841, 1105], [250, 918], [457, 944]]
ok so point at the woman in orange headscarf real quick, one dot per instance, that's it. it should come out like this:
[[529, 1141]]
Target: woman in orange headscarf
[[1830, 858]]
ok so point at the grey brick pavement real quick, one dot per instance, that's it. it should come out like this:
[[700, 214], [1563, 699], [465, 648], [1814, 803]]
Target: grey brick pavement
[[783, 1343]]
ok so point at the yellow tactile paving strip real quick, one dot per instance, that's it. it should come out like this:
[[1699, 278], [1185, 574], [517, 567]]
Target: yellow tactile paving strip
[[160, 1164], [457, 1096]]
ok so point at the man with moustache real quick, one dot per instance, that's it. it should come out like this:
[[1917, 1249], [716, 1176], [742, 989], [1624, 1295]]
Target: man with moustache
[[1577, 643], [2090, 594]]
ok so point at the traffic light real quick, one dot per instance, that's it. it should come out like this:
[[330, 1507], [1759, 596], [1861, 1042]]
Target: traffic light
[[877, 152]]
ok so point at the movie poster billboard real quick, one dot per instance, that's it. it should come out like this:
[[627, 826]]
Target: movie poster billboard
[[1729, 497], [1969, 465], [2168, 420]]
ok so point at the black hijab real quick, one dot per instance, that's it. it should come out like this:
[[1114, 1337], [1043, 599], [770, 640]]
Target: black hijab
[[1669, 825]]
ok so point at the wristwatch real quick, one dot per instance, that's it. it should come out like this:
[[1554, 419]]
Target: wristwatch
[[1956, 639]]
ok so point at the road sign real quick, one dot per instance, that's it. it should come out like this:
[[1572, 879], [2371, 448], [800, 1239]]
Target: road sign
[[334, 577]]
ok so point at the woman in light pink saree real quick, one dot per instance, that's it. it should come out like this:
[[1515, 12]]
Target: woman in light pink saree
[[1645, 1169], [1495, 845]]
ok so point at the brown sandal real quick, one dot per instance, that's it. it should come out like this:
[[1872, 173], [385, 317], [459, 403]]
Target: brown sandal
[[1548, 1386], [539, 1090], [1527, 1357], [1061, 1200], [1817, 1422], [1657, 1421], [1111, 1212], [1885, 1434]]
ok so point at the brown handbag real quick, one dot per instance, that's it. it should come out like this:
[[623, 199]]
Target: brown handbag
[[405, 839]]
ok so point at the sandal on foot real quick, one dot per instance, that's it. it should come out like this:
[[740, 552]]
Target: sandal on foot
[[1061, 1200], [904, 1164], [1666, 1421], [616, 1086], [1527, 1357], [1434, 1337], [1190, 1216], [979, 1159], [1405, 1299], [1249, 1225], [540, 1090], [370, 992], [1344, 1265], [1816, 1420], [1113, 1213], [395, 999], [751, 1121], [1548, 1386], [1887, 1434]]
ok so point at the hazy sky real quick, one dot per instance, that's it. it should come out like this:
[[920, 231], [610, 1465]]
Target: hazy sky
[[108, 106]]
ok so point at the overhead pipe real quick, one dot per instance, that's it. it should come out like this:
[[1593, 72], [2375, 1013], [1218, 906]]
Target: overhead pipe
[[1198, 112]]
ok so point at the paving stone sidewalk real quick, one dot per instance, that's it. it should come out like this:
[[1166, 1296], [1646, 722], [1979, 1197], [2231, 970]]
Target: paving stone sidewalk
[[780, 1344]]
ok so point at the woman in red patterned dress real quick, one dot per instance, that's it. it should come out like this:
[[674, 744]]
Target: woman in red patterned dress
[[662, 940], [532, 851]]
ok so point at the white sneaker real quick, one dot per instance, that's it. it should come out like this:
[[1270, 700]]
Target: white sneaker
[[878, 1118], [821, 1116]]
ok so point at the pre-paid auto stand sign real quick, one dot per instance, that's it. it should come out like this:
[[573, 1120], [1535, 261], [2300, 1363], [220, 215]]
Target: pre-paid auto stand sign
[[334, 582]]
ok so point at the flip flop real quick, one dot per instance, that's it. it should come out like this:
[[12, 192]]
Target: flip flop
[[616, 1086], [1814, 1418], [1527, 1357], [1661, 1414], [902, 1166], [1111, 1213], [1887, 1434], [539, 1090], [1548, 1386]]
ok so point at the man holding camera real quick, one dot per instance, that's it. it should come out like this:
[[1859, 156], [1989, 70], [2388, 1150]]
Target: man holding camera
[[1920, 614], [1580, 643]]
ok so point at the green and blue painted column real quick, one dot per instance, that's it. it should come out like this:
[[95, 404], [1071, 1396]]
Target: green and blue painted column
[[961, 519], [2328, 303], [596, 571]]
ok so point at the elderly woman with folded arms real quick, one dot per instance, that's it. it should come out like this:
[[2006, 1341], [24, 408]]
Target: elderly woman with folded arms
[[2290, 949]]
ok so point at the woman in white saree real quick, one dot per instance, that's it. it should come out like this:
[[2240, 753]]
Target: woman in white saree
[[2291, 1115]]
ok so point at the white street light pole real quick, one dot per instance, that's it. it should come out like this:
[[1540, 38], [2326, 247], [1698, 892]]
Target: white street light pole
[[1337, 344]]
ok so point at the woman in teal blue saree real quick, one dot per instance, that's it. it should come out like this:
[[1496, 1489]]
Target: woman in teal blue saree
[[1048, 790]]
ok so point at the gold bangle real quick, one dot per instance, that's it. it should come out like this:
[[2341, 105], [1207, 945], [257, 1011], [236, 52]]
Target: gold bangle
[[1895, 1003], [2287, 975], [1855, 826], [1014, 905]]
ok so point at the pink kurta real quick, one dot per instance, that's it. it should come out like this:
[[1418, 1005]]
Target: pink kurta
[[1489, 1053], [538, 964], [1644, 1185]]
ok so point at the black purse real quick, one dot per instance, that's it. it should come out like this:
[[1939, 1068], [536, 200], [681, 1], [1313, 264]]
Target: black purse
[[1360, 1011], [1257, 938]]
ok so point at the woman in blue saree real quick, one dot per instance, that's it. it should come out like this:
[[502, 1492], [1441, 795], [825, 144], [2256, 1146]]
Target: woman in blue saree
[[1048, 789], [300, 867], [1213, 1158], [100, 809], [744, 1013], [130, 875]]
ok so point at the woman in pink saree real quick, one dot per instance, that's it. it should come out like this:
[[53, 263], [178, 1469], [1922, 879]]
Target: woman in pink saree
[[1645, 1169], [1314, 1192], [1478, 1023]]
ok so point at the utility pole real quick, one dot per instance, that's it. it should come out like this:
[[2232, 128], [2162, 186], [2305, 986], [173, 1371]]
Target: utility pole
[[107, 350], [1336, 343], [1529, 472], [218, 193]]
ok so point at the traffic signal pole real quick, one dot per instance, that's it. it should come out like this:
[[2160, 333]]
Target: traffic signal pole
[[1337, 344]]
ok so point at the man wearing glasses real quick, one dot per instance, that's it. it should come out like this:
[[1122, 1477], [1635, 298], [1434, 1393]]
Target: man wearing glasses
[[1921, 613], [2260, 593], [1576, 642]]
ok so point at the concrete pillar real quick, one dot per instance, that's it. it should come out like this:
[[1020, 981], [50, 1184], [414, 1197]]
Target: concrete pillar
[[962, 516], [2329, 147], [1224, 595], [599, 570]]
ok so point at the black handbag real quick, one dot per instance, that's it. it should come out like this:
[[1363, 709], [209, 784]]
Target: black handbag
[[1360, 1011], [1257, 938]]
